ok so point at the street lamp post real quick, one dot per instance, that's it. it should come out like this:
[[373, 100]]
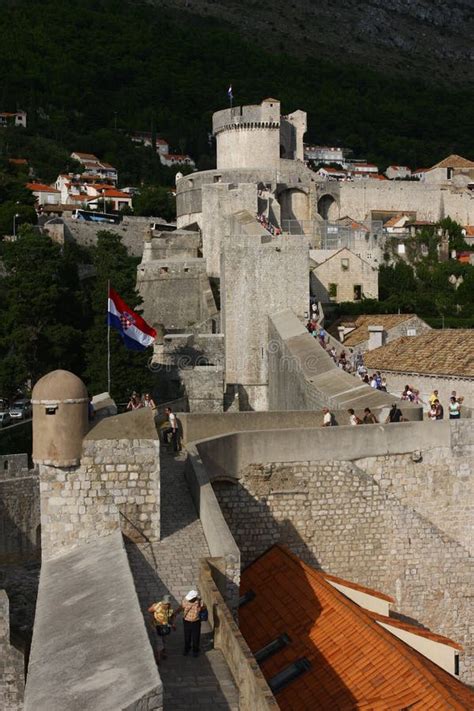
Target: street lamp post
[[15, 217]]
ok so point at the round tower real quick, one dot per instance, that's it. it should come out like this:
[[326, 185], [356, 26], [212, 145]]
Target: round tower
[[60, 416], [248, 136]]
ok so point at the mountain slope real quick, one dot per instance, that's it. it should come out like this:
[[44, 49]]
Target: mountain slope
[[430, 39]]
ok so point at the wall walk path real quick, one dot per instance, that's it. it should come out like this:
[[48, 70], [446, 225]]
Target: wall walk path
[[171, 567]]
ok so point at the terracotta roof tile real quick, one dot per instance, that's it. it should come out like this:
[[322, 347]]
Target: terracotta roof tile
[[454, 161], [41, 188], [362, 323], [436, 352], [355, 663]]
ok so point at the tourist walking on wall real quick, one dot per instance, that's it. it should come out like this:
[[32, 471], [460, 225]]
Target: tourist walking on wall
[[194, 612], [353, 419], [454, 409], [328, 418], [148, 401], [163, 617], [171, 432], [395, 414], [369, 417]]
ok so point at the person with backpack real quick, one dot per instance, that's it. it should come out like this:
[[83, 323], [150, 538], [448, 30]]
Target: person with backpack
[[328, 418], [194, 612], [163, 617]]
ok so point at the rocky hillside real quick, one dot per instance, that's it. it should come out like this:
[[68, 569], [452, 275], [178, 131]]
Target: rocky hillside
[[430, 39]]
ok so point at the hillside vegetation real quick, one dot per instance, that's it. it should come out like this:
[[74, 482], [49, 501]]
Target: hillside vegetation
[[89, 72]]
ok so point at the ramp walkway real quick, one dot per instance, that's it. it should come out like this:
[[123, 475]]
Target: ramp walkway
[[172, 567]]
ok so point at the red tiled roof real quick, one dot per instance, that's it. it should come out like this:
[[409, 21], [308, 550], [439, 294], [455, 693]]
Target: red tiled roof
[[115, 194], [469, 230], [18, 161], [361, 325], [41, 188], [454, 161], [355, 662]]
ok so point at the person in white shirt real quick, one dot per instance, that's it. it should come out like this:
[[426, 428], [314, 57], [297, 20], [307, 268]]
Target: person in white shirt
[[171, 432], [353, 419]]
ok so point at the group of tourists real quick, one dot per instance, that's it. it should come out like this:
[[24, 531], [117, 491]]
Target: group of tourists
[[265, 222], [194, 612], [436, 411], [136, 401]]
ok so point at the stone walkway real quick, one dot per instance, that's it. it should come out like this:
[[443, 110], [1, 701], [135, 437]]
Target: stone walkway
[[172, 566]]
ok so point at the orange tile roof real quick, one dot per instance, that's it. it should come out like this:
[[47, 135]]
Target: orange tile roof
[[361, 325], [18, 161], [115, 194], [469, 230], [355, 663], [41, 188], [436, 352]]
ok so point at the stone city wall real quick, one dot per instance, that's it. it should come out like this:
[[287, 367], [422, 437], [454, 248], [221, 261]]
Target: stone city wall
[[335, 516], [176, 292], [430, 202], [204, 387], [13, 465], [19, 517], [131, 230], [435, 484], [12, 677], [116, 487], [302, 375]]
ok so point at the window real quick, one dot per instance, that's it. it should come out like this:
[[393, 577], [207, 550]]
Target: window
[[286, 676], [357, 292], [246, 597], [401, 249], [345, 265], [272, 648], [332, 291], [456, 664], [51, 409]]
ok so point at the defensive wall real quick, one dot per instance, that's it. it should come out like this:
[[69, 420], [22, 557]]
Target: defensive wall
[[132, 231], [253, 262], [430, 202], [301, 375], [90, 647], [116, 487], [309, 489], [183, 244], [12, 677], [176, 292], [19, 510]]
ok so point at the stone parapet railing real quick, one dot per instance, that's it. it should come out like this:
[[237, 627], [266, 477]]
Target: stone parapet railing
[[255, 694], [219, 539]]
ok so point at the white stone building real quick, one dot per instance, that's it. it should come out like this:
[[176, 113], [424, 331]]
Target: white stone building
[[342, 276]]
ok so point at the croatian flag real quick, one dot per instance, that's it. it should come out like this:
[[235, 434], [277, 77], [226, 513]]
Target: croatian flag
[[229, 92], [135, 332]]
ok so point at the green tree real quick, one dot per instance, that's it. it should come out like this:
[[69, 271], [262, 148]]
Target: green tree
[[156, 202], [40, 328], [129, 369]]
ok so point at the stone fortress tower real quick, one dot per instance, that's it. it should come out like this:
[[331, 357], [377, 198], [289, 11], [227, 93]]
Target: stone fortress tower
[[257, 136]]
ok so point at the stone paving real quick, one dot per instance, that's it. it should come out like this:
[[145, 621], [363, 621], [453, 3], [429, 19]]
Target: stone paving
[[171, 566]]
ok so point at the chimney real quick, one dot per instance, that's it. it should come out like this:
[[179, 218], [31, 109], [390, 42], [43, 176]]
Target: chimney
[[342, 332], [376, 337]]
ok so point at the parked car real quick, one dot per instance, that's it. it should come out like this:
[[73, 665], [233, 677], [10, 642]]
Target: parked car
[[5, 419], [20, 410]]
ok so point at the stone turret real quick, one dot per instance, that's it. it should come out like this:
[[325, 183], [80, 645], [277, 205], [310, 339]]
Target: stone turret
[[248, 136], [60, 415]]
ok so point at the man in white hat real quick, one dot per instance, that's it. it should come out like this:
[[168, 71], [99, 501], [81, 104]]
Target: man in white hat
[[194, 611]]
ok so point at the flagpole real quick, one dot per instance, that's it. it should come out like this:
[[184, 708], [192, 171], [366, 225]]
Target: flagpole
[[108, 339]]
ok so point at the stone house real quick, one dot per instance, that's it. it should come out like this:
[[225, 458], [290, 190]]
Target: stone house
[[435, 360], [369, 331], [342, 276], [398, 171], [450, 168]]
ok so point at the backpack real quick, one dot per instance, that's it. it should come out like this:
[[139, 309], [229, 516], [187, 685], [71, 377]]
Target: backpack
[[334, 422]]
